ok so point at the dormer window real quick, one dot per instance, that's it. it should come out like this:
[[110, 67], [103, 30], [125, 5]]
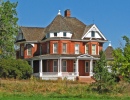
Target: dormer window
[[64, 34], [55, 34], [93, 34]]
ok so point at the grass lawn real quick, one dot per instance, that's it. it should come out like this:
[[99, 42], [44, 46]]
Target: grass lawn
[[54, 90]]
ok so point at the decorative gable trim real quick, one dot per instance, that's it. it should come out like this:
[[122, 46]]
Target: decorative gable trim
[[94, 26]]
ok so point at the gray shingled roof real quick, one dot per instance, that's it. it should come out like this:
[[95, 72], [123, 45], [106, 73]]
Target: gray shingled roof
[[108, 52], [57, 25], [32, 33], [60, 23]]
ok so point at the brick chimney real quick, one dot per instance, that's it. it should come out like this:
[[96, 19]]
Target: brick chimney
[[67, 13]]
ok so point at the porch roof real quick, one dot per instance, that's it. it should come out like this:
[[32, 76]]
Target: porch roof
[[63, 56]]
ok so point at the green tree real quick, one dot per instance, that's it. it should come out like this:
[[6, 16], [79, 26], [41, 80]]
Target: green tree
[[8, 28], [12, 68], [104, 79], [121, 65]]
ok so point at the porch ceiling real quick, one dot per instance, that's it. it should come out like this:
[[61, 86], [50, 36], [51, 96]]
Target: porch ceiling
[[64, 56]]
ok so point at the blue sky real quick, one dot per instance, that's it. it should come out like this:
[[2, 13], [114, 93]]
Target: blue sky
[[112, 17]]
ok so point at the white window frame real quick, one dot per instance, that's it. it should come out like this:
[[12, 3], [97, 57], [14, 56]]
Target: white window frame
[[76, 48], [55, 67], [55, 49], [64, 66], [22, 50], [64, 50], [94, 49], [87, 49], [29, 51], [87, 67]]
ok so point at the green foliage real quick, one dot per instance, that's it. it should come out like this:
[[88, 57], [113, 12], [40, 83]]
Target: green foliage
[[104, 79], [11, 68], [8, 28], [121, 65]]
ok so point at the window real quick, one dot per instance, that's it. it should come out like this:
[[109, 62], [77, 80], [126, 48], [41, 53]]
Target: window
[[86, 48], [93, 49], [22, 50], [76, 48], [93, 34], [29, 50], [64, 48], [64, 33], [55, 34], [47, 47], [64, 64], [94, 65], [55, 66], [48, 35], [86, 66], [40, 49], [55, 48]]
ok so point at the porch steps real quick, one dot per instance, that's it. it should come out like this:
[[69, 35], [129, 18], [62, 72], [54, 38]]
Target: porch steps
[[85, 79]]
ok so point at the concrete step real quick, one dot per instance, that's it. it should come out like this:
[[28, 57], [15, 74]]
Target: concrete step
[[86, 79]]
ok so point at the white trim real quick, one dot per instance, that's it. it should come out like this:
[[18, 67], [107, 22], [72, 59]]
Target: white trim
[[96, 29], [78, 48]]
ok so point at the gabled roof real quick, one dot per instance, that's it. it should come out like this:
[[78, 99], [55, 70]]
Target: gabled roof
[[57, 25], [108, 52], [32, 33]]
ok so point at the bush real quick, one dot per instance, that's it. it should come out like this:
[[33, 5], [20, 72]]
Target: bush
[[12, 68]]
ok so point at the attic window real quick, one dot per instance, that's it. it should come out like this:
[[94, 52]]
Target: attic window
[[93, 34], [64, 33], [55, 33]]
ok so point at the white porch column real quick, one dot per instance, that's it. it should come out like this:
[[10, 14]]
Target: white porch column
[[32, 65], [77, 67], [40, 68], [59, 67], [91, 67]]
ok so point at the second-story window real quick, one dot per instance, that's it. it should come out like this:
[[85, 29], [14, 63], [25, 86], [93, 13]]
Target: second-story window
[[76, 48], [64, 48], [29, 50], [64, 34], [47, 47], [93, 34], [93, 49], [55, 47], [86, 48], [22, 50], [55, 34]]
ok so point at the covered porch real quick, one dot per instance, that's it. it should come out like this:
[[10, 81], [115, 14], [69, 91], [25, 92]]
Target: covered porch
[[53, 67]]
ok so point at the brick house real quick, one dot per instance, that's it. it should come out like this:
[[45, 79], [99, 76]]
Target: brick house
[[65, 48]]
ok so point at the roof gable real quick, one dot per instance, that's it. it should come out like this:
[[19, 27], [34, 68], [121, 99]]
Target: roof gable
[[98, 34]]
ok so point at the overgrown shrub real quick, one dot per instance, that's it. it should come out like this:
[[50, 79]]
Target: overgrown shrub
[[12, 68]]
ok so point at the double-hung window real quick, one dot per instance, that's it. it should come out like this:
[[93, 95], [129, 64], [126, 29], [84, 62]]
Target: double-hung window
[[22, 50], [64, 64], [55, 47], [76, 48], [47, 47], [55, 66], [29, 50], [64, 48], [55, 34], [93, 49], [86, 48]]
